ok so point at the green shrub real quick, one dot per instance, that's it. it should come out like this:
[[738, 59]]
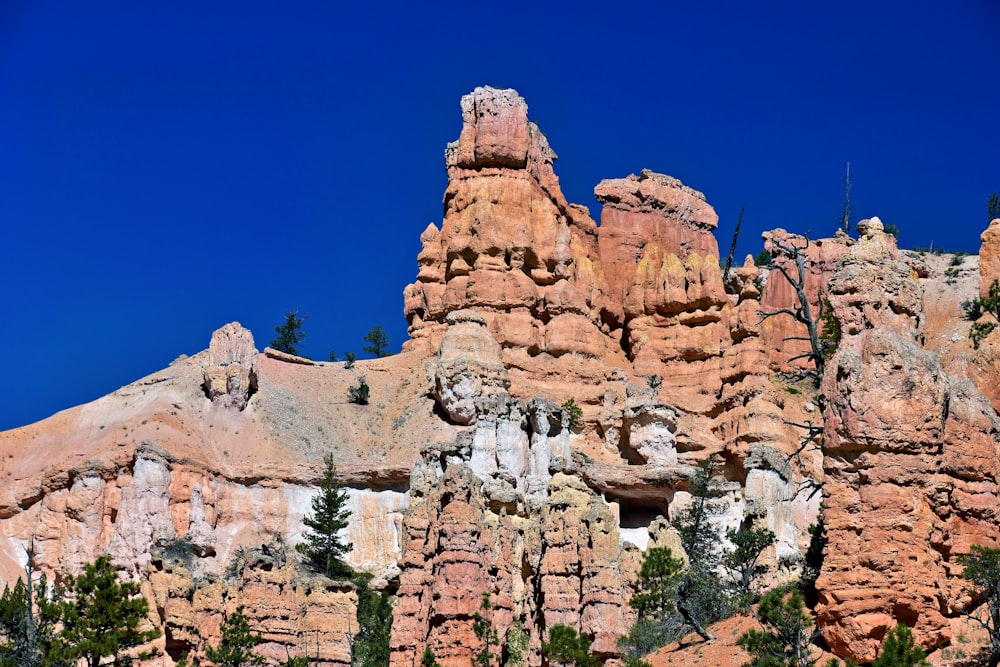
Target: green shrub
[[574, 412], [899, 650], [359, 393]]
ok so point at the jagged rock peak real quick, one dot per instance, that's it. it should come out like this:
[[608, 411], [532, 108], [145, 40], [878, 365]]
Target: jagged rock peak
[[650, 192], [496, 132], [230, 370]]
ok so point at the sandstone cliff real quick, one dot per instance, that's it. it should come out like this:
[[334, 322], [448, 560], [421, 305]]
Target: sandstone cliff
[[466, 473]]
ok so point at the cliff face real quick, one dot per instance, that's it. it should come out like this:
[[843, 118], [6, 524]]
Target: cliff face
[[911, 456], [466, 474]]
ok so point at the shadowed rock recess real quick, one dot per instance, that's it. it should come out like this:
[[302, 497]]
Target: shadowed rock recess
[[467, 475]]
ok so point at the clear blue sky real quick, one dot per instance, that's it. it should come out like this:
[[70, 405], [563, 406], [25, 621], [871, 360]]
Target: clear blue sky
[[167, 167]]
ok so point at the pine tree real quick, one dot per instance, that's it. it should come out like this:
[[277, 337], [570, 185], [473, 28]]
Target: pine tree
[[290, 334], [992, 208], [236, 646], [657, 583], [566, 647], [482, 627], [701, 598], [323, 548], [100, 615], [899, 650], [26, 638], [787, 635], [371, 647], [379, 342], [428, 659], [742, 564]]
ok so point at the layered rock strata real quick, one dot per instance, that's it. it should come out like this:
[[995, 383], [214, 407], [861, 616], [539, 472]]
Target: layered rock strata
[[511, 247], [911, 461]]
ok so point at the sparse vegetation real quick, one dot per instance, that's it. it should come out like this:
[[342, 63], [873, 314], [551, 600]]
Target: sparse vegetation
[[975, 309], [482, 627], [654, 382], [742, 564], [574, 413], [349, 359], [359, 392], [830, 331], [992, 208], [371, 645], [517, 645]]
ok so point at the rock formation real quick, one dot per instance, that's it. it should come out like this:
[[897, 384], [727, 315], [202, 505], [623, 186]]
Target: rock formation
[[469, 473], [989, 257], [511, 247], [911, 460], [231, 367]]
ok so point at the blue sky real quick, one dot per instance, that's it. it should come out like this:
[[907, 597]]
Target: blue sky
[[170, 167]]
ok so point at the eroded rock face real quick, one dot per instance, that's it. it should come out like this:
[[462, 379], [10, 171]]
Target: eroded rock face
[[297, 614], [911, 464], [231, 367], [989, 257], [510, 245], [468, 369]]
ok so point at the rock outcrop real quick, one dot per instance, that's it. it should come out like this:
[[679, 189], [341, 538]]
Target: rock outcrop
[[911, 461], [511, 247], [231, 368], [989, 257]]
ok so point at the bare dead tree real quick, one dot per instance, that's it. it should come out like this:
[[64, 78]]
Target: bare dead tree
[[846, 220], [802, 311], [812, 432], [732, 248]]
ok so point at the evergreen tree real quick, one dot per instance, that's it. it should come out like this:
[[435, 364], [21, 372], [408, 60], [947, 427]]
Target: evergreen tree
[[379, 342], [100, 615], [323, 548], [482, 627], [992, 208], [742, 564], [899, 650], [657, 583], [982, 568], [701, 598], [787, 635], [566, 647], [27, 639], [290, 334], [236, 646], [371, 647], [428, 659]]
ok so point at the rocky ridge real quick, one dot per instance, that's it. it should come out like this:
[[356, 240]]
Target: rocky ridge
[[468, 476]]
